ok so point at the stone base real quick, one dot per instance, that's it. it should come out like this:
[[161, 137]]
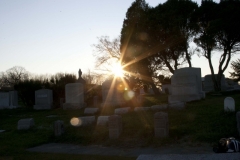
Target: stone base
[[8, 107], [74, 105], [184, 98], [42, 107]]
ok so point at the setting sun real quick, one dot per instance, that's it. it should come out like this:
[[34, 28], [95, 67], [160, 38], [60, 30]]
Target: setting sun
[[117, 70]]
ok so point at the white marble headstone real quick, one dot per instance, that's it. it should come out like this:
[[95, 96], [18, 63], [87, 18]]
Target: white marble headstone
[[229, 104], [74, 96]]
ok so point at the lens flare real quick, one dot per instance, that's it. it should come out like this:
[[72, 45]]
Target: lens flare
[[75, 122], [128, 95]]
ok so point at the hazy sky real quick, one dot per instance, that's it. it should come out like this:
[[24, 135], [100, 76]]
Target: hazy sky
[[50, 36]]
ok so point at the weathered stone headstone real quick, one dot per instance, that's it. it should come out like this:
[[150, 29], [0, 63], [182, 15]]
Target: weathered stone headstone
[[74, 96], [229, 104], [4, 100], [120, 111], [138, 109], [25, 124], [159, 107], [87, 120], [115, 126], [91, 110], [43, 99], [58, 128], [186, 84], [113, 92], [238, 122], [167, 88], [208, 84], [102, 120], [161, 125], [8, 100]]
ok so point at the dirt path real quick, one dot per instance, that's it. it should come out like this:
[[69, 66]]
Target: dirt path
[[129, 152]]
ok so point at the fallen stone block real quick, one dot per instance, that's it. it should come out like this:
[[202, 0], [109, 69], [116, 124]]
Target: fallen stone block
[[120, 111], [102, 120], [137, 109], [91, 110], [25, 124]]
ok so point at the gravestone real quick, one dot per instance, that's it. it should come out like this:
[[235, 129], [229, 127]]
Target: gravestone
[[74, 96], [209, 85], [102, 120], [113, 92], [43, 99], [166, 88], [161, 125], [120, 111], [139, 109], [87, 120], [238, 122], [229, 104], [25, 124], [91, 110], [58, 128], [8, 100], [13, 101], [4, 100], [176, 105], [186, 85], [115, 126]]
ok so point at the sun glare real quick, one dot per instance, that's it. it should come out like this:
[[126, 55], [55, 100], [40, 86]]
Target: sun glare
[[117, 70]]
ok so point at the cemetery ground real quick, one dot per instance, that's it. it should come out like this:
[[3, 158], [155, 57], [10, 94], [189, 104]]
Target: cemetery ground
[[201, 123]]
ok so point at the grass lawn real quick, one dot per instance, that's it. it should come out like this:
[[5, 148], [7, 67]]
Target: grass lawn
[[200, 122]]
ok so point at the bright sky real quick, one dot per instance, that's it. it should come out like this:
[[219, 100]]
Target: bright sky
[[50, 36]]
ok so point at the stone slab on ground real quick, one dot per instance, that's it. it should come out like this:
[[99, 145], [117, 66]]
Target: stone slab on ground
[[25, 124], [102, 120], [222, 156], [120, 111], [91, 110], [137, 109], [87, 120]]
